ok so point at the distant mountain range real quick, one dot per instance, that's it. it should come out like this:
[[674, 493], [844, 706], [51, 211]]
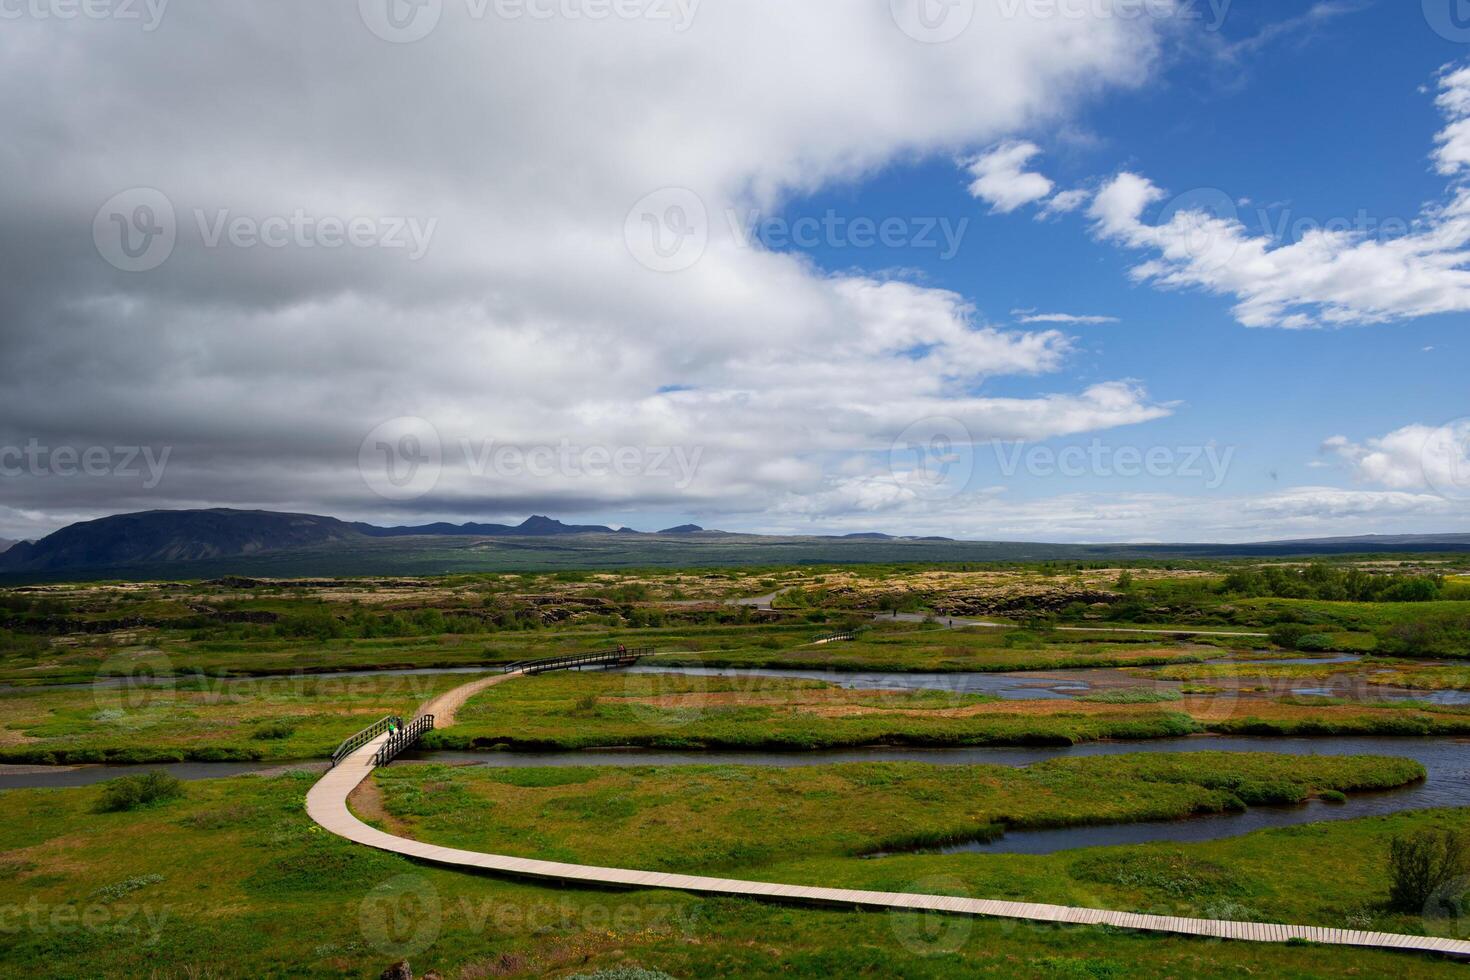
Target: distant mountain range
[[6, 544], [166, 536], [167, 542], [532, 527]]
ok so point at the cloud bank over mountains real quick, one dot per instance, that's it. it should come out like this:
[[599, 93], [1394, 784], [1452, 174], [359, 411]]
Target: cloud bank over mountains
[[529, 320], [246, 240]]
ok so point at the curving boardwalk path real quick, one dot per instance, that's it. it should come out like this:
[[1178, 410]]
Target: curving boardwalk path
[[326, 803]]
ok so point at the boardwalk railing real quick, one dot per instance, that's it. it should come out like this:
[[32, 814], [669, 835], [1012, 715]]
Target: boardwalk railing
[[837, 637], [402, 738], [609, 658], [326, 802], [365, 736]]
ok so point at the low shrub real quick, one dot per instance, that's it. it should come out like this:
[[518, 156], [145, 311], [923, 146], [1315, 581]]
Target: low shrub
[[274, 731], [1289, 636], [133, 792], [1422, 864]]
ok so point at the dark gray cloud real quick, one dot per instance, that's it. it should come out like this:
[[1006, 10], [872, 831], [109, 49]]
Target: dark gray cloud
[[491, 175]]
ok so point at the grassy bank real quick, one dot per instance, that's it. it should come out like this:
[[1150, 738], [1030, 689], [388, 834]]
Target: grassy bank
[[725, 819], [304, 717], [691, 711], [233, 879], [204, 720], [1382, 671], [687, 711]]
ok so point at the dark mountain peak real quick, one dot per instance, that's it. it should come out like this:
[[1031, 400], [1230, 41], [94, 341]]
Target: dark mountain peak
[[537, 525], [175, 535], [683, 529], [440, 529]]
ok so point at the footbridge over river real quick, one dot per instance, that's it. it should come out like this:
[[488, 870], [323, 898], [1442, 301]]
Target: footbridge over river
[[326, 803]]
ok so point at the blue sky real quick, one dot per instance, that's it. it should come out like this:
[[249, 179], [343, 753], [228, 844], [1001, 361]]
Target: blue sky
[[549, 268], [1332, 117]]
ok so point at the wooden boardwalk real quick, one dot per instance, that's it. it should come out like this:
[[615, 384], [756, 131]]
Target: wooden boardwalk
[[326, 802]]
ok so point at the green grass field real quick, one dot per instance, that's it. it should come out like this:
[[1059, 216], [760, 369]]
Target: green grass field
[[205, 719], [736, 820], [233, 879], [692, 711]]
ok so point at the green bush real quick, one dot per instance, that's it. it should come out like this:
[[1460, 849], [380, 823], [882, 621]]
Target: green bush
[[1288, 636], [1438, 636], [1423, 863], [312, 624], [274, 731], [132, 792]]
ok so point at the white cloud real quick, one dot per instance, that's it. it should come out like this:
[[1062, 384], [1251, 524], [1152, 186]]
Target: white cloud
[[1065, 202], [1002, 180], [1411, 458], [1067, 318], [1327, 277], [867, 503], [528, 322]]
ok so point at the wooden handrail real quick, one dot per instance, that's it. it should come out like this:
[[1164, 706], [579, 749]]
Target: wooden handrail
[[365, 736], [402, 738], [614, 658]]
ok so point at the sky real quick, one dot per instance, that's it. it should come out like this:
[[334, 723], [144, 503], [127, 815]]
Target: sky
[[1062, 270]]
